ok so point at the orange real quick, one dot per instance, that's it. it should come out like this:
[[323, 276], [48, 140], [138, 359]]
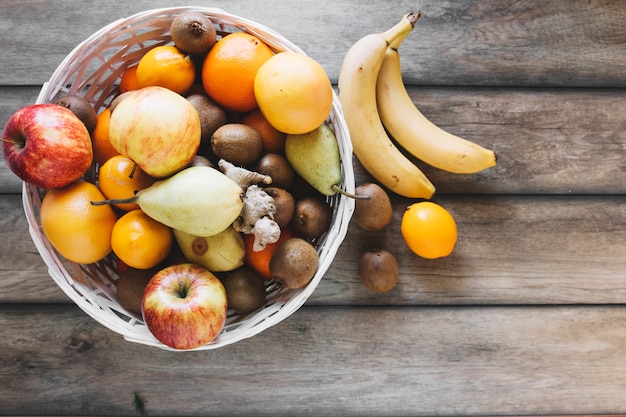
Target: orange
[[429, 230], [102, 148], [293, 92], [140, 241], [119, 178], [260, 261], [273, 140], [166, 66], [78, 230], [229, 69], [128, 81]]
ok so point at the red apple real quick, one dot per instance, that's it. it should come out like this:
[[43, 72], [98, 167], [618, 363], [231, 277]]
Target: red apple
[[184, 306], [47, 145]]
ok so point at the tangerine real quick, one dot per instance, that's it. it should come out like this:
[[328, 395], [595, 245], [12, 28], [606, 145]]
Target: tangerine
[[77, 229], [120, 178], [229, 69], [139, 241], [429, 230], [293, 92], [166, 66], [102, 148], [259, 261], [128, 82], [273, 139]]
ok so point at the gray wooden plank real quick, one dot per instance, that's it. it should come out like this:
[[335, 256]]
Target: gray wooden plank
[[534, 42], [326, 361], [511, 250], [563, 141]]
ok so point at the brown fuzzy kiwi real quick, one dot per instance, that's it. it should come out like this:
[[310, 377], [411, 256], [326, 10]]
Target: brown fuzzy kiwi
[[237, 143], [294, 263], [311, 217], [81, 108], [375, 212], [130, 288], [285, 205], [278, 168], [211, 116], [193, 32], [245, 290], [378, 270]]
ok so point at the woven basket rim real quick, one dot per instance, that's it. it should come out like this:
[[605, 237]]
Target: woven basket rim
[[98, 301]]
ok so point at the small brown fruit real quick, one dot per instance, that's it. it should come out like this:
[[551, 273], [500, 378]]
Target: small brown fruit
[[294, 263], [237, 143], [285, 205], [378, 270], [311, 217], [193, 32], [211, 116], [130, 288], [375, 212], [245, 290], [278, 168]]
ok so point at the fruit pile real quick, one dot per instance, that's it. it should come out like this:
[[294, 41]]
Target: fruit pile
[[380, 114], [205, 179]]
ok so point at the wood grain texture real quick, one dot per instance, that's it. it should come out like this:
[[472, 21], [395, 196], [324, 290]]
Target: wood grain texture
[[531, 42], [548, 141], [526, 317], [511, 250], [326, 362]]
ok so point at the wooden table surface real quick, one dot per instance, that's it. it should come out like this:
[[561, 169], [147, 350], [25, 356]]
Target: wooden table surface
[[526, 317]]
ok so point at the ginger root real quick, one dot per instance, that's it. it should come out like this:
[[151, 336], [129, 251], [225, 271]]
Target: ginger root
[[257, 214], [242, 176]]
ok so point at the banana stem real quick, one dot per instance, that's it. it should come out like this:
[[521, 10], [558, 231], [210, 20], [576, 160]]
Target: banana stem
[[396, 35]]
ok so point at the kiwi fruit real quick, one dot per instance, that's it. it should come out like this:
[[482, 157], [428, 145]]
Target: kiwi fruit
[[193, 32], [130, 288], [294, 263], [237, 143], [81, 108], [378, 270], [211, 116], [245, 290], [285, 205], [277, 167], [374, 212], [311, 217]]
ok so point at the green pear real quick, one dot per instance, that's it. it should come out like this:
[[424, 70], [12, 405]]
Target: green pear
[[315, 157], [198, 200], [222, 252]]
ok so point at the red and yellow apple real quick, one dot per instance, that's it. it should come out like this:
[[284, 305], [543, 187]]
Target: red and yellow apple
[[157, 128], [47, 145], [184, 306]]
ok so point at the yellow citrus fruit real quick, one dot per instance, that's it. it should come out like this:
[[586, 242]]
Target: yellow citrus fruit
[[166, 66], [293, 92], [120, 178], [128, 81], [140, 241], [102, 148], [273, 140], [429, 230], [229, 69], [78, 230]]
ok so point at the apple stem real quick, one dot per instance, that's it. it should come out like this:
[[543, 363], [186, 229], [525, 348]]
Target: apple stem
[[182, 290], [14, 142], [114, 201]]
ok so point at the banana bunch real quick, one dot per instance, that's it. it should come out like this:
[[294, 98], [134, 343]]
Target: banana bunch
[[376, 104]]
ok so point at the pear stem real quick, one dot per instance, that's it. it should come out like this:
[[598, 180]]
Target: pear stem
[[114, 201], [339, 190]]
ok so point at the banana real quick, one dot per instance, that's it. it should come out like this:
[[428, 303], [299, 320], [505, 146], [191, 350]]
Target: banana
[[418, 135], [357, 94]]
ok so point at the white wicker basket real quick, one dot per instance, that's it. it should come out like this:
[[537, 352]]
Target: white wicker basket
[[93, 70]]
